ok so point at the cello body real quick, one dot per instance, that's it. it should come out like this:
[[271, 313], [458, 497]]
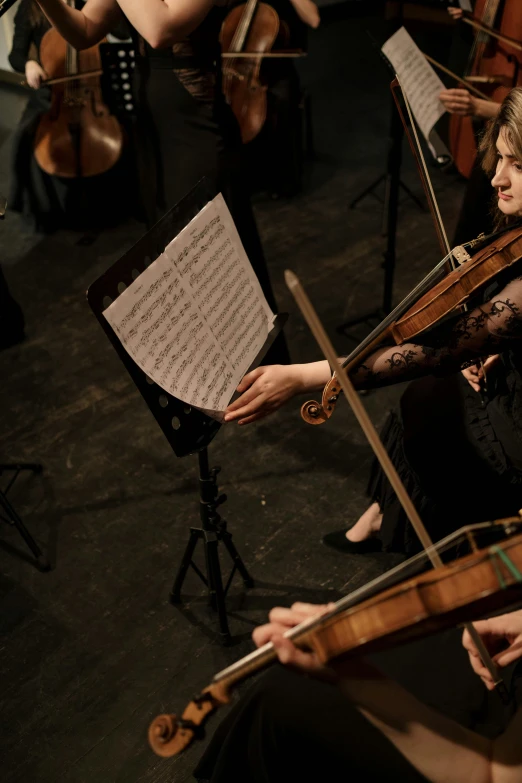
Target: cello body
[[78, 137], [251, 27], [494, 66]]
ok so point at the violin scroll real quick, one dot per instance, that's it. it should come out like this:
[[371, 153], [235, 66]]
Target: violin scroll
[[169, 735], [318, 412]]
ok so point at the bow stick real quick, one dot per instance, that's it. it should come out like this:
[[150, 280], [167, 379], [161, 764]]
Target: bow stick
[[317, 413], [380, 452]]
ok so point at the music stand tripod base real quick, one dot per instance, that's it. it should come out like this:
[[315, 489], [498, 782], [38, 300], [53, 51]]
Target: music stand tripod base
[[212, 532]]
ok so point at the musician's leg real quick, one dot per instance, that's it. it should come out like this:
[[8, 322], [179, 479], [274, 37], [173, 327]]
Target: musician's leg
[[289, 727]]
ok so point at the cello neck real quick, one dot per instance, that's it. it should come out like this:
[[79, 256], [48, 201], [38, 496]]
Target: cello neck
[[238, 41], [71, 61]]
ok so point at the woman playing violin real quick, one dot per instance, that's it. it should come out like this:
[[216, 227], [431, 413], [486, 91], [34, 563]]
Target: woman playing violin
[[459, 455], [351, 722]]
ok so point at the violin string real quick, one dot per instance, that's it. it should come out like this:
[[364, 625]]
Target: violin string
[[414, 294], [265, 653]]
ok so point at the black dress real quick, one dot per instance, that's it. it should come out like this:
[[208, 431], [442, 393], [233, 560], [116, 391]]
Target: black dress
[[49, 202], [185, 131], [458, 453], [288, 727]]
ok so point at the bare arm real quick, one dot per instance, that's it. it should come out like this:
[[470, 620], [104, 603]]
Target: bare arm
[[82, 28], [160, 22]]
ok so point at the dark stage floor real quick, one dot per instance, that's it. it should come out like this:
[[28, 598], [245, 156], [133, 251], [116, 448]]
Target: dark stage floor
[[93, 650]]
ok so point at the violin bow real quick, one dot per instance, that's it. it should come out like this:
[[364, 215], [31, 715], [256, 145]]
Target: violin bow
[[380, 452], [484, 28], [314, 412]]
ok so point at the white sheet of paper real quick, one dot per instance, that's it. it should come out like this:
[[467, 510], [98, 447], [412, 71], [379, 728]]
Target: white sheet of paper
[[418, 80], [196, 318]]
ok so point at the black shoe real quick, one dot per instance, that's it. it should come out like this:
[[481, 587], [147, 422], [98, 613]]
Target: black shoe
[[337, 540]]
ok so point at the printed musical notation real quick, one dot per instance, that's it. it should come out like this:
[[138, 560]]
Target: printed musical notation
[[196, 318], [418, 80]]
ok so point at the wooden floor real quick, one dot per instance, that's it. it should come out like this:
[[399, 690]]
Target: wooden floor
[[92, 651]]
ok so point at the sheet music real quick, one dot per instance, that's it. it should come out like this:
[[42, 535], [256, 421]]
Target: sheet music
[[418, 80], [196, 318]]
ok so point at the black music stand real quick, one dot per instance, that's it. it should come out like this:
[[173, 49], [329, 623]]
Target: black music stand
[[188, 431], [118, 62]]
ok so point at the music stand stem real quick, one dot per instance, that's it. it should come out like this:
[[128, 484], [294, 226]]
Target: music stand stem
[[213, 530], [390, 218]]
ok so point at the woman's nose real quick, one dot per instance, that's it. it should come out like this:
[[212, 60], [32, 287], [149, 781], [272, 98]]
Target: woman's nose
[[501, 179]]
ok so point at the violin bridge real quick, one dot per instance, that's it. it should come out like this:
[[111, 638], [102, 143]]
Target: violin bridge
[[460, 255]]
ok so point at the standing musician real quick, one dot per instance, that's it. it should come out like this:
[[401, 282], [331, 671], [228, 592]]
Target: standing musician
[[186, 129], [349, 721], [460, 460], [50, 202]]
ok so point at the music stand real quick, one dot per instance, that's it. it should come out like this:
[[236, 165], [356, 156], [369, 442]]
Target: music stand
[[188, 431]]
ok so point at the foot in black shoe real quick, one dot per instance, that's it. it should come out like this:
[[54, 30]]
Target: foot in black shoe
[[337, 540]]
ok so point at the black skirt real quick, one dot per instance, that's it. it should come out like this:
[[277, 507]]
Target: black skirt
[[448, 454], [288, 727]]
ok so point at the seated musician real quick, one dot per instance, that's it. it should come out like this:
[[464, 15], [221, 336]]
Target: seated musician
[[50, 202], [458, 451], [351, 722], [475, 213]]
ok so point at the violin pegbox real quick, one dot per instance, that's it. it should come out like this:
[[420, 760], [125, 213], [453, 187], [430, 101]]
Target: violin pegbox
[[169, 735]]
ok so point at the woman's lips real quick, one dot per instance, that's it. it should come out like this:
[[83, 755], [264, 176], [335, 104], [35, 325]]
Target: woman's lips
[[503, 196]]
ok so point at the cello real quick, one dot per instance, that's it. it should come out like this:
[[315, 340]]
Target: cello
[[78, 136], [494, 64], [250, 28]]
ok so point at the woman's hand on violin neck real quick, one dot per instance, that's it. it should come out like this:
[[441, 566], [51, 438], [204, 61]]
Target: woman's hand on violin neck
[[502, 637], [267, 388], [34, 74], [281, 620]]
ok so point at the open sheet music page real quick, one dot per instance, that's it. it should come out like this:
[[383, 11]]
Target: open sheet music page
[[418, 80], [196, 318]]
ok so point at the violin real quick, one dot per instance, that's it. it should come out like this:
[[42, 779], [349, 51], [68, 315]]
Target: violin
[[431, 301], [494, 64], [253, 27], [78, 136], [486, 580]]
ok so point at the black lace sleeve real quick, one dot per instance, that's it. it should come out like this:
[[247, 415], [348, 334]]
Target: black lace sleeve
[[492, 328]]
